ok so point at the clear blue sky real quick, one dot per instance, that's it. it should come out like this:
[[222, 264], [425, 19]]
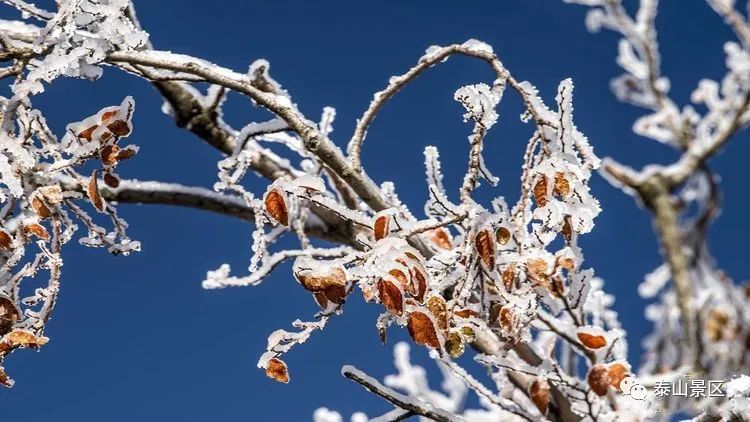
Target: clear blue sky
[[137, 339]]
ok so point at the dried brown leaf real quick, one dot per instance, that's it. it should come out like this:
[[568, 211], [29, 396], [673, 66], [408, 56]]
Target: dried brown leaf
[[441, 238], [9, 314], [439, 310], [562, 186], [276, 206], [382, 226], [41, 209], [108, 155], [616, 373], [485, 246], [276, 370], [6, 241], [126, 153], [540, 191], [111, 180], [87, 133], [4, 379], [391, 297], [37, 230], [539, 394], [422, 330], [592, 341], [93, 193], [598, 379]]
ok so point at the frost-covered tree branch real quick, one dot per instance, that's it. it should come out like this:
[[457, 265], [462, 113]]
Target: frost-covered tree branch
[[707, 303], [504, 282]]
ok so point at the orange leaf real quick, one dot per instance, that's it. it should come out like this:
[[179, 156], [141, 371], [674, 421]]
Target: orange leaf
[[616, 373], [382, 227], [539, 394], [439, 310], [391, 297], [329, 286], [93, 193], [592, 341], [276, 206], [485, 245], [37, 230], [6, 241], [276, 369], [22, 338], [41, 209], [598, 379], [540, 191], [562, 186], [441, 238], [422, 330], [419, 283]]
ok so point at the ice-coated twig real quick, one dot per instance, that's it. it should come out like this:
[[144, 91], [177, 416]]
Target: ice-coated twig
[[397, 399]]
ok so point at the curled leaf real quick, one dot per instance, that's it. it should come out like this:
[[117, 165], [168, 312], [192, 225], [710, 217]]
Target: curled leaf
[[37, 230], [276, 206], [93, 193], [126, 153], [276, 370]]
